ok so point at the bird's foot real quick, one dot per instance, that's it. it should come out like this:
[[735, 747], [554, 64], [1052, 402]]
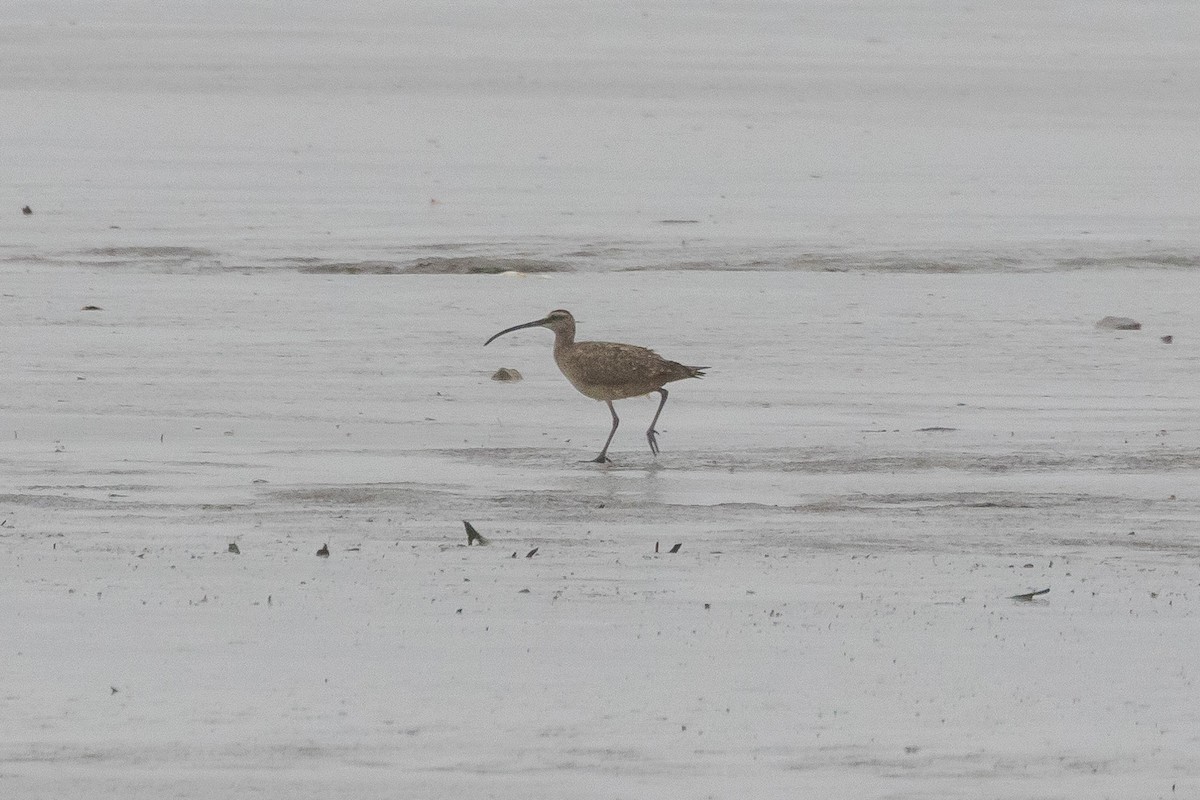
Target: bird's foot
[[601, 459], [651, 437]]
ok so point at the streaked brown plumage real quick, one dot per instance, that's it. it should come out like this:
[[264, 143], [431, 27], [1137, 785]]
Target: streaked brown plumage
[[609, 370]]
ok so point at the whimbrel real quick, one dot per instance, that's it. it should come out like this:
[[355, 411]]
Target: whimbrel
[[608, 370]]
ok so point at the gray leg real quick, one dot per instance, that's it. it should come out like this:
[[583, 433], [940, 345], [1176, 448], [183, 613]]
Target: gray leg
[[651, 433], [603, 457]]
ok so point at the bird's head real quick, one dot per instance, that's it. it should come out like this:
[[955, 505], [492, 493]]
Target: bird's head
[[559, 320]]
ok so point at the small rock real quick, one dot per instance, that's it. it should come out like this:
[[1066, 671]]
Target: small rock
[[91, 308], [506, 375], [233, 548], [324, 551], [1166, 339], [1118, 324], [26, 210]]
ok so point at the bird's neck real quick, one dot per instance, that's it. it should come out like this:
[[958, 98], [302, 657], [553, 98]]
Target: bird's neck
[[563, 338]]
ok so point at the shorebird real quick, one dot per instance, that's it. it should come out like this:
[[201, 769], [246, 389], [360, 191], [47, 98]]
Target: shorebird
[[608, 370]]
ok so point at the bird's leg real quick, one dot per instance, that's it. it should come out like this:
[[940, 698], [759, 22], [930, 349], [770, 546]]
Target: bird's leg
[[651, 433], [603, 457]]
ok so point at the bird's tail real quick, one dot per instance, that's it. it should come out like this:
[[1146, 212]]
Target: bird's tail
[[697, 372]]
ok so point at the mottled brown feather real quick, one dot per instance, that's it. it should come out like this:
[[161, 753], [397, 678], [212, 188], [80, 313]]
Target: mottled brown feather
[[615, 371]]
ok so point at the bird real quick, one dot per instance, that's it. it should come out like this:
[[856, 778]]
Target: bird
[[609, 371]]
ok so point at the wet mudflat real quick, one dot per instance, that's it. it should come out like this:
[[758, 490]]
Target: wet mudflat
[[875, 464]]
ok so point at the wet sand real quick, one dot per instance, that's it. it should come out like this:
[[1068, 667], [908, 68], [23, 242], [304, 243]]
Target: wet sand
[[874, 464], [889, 227]]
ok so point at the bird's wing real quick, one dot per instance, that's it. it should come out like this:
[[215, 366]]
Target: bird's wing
[[612, 363]]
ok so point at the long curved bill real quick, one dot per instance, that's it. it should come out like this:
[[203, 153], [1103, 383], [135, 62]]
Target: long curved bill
[[536, 323]]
